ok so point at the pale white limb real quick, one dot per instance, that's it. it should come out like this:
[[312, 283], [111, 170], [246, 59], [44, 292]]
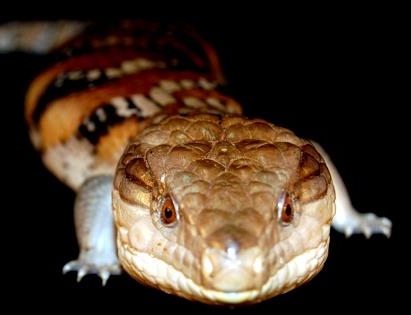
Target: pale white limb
[[347, 219], [95, 230]]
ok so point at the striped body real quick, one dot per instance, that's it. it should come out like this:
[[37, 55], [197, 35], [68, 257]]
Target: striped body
[[108, 84]]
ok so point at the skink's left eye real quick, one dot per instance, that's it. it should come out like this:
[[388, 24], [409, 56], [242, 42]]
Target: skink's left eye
[[168, 212], [285, 208]]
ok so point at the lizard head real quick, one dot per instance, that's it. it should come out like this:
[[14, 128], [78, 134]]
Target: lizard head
[[224, 210]]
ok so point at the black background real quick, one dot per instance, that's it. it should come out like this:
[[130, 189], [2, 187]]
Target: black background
[[335, 77]]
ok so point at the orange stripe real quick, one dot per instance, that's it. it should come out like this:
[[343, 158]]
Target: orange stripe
[[62, 118], [97, 60], [111, 145]]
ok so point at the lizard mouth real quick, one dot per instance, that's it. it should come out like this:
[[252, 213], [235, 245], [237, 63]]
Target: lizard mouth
[[155, 272]]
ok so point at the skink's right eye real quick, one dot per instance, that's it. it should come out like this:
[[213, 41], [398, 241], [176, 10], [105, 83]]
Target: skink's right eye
[[285, 208]]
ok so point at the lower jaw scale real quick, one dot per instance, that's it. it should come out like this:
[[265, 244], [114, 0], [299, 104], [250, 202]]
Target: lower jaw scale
[[155, 272]]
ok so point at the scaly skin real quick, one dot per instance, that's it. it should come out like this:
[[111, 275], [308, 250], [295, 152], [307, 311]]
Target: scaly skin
[[226, 176], [208, 204]]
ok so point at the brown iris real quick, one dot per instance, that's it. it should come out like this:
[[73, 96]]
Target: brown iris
[[286, 209], [168, 212]]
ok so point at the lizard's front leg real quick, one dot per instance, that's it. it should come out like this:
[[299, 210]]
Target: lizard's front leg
[[95, 230], [347, 219]]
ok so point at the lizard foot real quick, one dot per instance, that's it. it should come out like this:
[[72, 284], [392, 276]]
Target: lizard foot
[[367, 224], [85, 267]]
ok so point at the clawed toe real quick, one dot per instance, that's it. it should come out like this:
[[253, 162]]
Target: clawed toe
[[368, 224], [83, 268]]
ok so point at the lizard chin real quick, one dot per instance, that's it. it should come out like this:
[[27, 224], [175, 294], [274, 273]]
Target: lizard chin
[[155, 272]]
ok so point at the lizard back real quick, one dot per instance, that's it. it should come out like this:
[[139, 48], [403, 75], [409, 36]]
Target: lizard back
[[106, 85]]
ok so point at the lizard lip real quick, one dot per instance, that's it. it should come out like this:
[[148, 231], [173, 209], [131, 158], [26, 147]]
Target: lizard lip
[[233, 280], [232, 273]]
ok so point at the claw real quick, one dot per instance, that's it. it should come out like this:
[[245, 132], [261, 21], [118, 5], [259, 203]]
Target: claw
[[386, 227], [81, 273], [104, 275], [386, 230], [366, 224], [348, 231], [70, 266], [66, 268], [367, 231], [84, 268]]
